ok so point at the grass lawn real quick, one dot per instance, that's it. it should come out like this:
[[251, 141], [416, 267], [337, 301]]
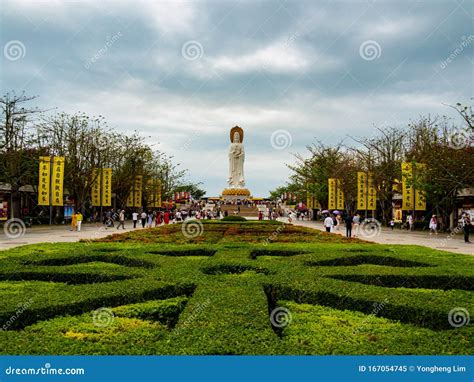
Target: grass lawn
[[238, 288]]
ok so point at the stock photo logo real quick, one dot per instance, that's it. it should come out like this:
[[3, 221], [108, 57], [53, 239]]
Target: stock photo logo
[[14, 228], [192, 228], [280, 317], [14, 50], [103, 317], [370, 228], [462, 138], [458, 317], [281, 139], [192, 50], [370, 50]]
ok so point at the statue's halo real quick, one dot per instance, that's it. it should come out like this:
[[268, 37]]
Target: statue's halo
[[238, 130]]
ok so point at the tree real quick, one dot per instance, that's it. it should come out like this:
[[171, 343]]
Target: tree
[[18, 155]]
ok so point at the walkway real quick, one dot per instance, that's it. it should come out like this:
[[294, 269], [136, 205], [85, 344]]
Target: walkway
[[443, 241], [53, 234]]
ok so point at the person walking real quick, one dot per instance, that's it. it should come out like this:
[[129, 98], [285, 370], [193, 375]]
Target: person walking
[[466, 224], [356, 224], [150, 219], [74, 221], [158, 219], [391, 224], [328, 223], [134, 219], [433, 225], [143, 219], [121, 219], [410, 222], [166, 217], [79, 219], [348, 221]]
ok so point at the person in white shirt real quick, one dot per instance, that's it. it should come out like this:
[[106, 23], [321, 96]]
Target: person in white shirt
[[143, 217], [328, 223], [135, 219]]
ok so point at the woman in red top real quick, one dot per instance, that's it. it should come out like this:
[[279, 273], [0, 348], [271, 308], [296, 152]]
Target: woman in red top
[[167, 217], [158, 219]]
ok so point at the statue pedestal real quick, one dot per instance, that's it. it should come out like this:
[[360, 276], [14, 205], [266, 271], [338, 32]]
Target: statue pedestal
[[234, 194]]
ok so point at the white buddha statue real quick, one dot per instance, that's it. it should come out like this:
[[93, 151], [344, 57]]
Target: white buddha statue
[[236, 161]]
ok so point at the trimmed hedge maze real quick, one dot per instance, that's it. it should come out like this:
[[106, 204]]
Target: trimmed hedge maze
[[234, 296]]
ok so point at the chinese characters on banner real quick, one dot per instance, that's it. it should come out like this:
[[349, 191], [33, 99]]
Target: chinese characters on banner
[[332, 193], [361, 190], [413, 199], [154, 193], [106, 187], [44, 181], [95, 190], [366, 192], [57, 180], [137, 195], [371, 192], [420, 199], [340, 195], [407, 189]]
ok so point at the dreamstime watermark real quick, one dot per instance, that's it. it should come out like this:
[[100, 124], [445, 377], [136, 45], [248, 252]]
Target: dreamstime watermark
[[459, 228], [14, 50], [21, 308], [377, 308], [14, 228], [370, 50], [198, 309], [370, 228], [274, 234], [458, 317], [281, 139], [102, 51], [192, 50], [44, 370], [192, 228], [461, 138], [103, 317], [280, 317], [466, 40]]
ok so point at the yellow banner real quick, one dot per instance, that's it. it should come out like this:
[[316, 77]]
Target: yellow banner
[[44, 185], [407, 191], [371, 193], [361, 190], [137, 191], [309, 200], [95, 188], [157, 190], [340, 195], [57, 181], [332, 193], [153, 191], [106, 187], [420, 198], [130, 198]]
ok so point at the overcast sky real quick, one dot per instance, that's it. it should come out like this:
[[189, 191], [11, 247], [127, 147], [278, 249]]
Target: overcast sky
[[287, 72]]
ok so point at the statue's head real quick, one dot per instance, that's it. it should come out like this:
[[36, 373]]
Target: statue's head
[[236, 138]]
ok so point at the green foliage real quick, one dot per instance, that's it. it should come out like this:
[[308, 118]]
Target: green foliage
[[234, 218], [217, 296]]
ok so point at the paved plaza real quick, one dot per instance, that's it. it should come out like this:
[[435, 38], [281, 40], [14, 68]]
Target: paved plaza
[[52, 234]]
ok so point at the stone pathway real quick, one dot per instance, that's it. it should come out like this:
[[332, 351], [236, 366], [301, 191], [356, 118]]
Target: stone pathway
[[443, 241], [53, 234]]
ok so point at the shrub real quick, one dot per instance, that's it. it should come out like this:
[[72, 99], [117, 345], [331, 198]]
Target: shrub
[[233, 218]]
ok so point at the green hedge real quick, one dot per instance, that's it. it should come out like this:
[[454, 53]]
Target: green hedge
[[218, 298], [233, 218]]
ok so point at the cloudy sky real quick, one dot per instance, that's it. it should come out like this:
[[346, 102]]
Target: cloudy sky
[[288, 72]]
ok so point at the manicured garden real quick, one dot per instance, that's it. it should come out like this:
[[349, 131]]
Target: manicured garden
[[234, 288]]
